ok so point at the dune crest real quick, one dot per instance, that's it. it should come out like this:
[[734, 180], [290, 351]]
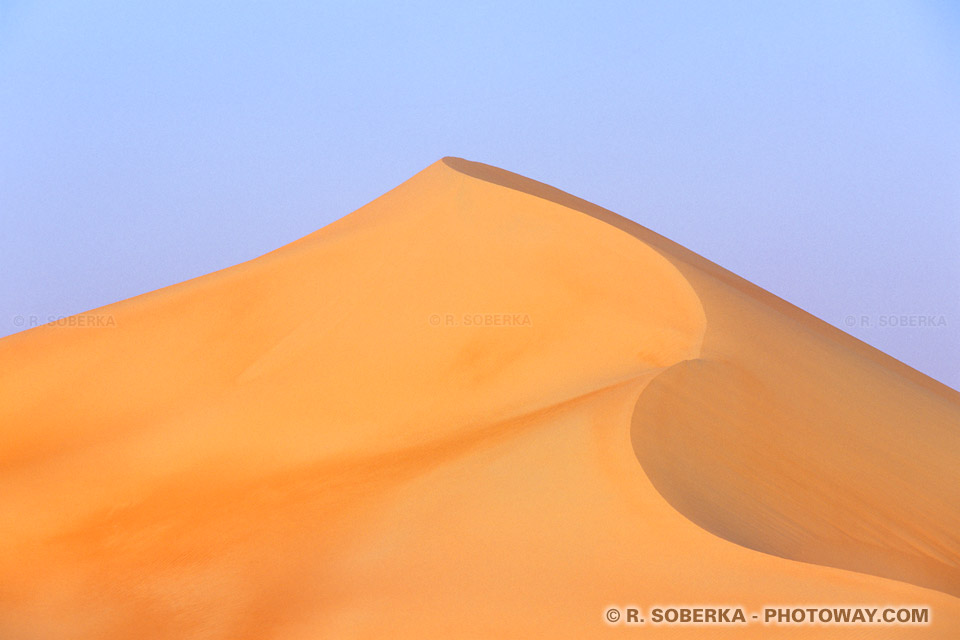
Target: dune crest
[[793, 437], [476, 386]]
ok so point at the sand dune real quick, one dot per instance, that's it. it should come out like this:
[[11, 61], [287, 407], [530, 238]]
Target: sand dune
[[475, 407]]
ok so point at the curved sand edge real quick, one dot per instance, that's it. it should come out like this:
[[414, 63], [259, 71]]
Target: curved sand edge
[[790, 437]]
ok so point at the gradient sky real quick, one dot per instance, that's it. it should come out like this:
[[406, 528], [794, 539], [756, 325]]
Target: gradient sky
[[811, 147]]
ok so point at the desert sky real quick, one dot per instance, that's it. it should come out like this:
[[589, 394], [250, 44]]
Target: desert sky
[[809, 147], [476, 407]]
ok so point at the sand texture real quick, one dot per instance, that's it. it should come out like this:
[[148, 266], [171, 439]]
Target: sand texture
[[477, 407]]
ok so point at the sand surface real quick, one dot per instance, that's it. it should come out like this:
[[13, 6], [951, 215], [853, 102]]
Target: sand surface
[[477, 407]]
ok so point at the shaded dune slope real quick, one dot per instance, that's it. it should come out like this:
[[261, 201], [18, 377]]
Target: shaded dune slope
[[791, 437], [378, 428]]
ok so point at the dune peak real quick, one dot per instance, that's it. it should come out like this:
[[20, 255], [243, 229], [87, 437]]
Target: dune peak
[[474, 380]]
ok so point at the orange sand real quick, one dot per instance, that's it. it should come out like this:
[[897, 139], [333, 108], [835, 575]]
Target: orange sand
[[477, 407]]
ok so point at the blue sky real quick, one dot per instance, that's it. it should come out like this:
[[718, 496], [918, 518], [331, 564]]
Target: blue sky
[[811, 147]]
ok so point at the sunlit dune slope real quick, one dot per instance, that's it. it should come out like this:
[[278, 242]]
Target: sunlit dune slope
[[476, 407]]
